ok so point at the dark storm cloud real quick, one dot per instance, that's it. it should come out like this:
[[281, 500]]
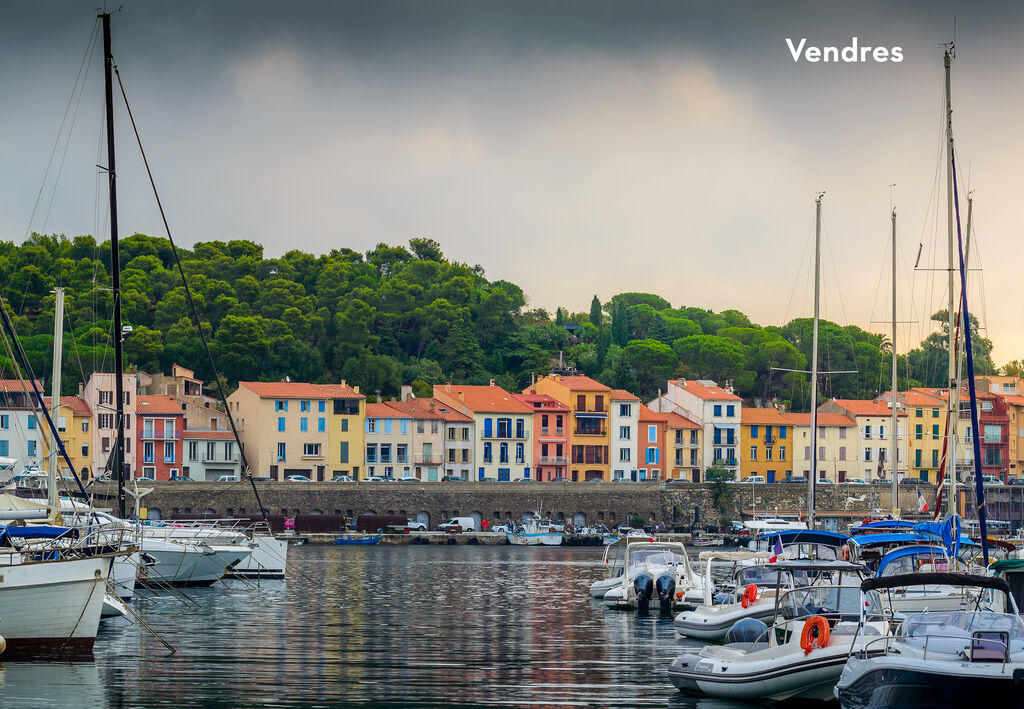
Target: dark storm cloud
[[571, 147]]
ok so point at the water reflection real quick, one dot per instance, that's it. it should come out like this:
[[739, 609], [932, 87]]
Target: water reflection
[[401, 626]]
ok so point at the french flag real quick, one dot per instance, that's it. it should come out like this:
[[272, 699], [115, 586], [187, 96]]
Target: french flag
[[922, 504], [776, 551]]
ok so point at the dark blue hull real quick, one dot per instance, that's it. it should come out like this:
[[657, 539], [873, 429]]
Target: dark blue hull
[[375, 539], [895, 688]]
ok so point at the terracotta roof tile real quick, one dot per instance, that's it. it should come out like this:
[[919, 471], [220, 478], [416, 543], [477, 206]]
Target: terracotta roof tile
[[913, 397], [421, 409], [157, 404], [300, 390], [866, 407], [679, 421], [78, 405], [1015, 399], [214, 435], [18, 386], [385, 411], [481, 399], [760, 416], [579, 383], [622, 395], [712, 393], [823, 420], [550, 403], [647, 414]]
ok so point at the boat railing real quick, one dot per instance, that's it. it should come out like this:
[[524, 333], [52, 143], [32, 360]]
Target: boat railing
[[888, 640]]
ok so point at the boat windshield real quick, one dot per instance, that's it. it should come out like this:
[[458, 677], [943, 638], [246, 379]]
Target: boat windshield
[[660, 557], [912, 563], [955, 626], [833, 602], [768, 576]]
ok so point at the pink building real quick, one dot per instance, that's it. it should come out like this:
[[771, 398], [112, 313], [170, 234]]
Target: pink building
[[159, 422], [551, 436]]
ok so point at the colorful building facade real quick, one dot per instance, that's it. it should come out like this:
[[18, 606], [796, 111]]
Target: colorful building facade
[[589, 436], [766, 444]]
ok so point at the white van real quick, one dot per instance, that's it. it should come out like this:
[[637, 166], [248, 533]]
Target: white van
[[227, 479], [467, 524]]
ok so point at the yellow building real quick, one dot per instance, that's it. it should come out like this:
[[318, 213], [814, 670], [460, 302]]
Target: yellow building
[[925, 410], [589, 435], [284, 428], [346, 429], [74, 423], [766, 444]]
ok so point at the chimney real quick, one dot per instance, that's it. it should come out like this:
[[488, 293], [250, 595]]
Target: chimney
[[448, 387], [355, 388], [431, 404], [492, 382], [343, 382], [462, 394], [407, 392]]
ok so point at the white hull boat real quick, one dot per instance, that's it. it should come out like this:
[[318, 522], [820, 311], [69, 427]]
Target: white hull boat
[[269, 559], [51, 608], [547, 539], [659, 573]]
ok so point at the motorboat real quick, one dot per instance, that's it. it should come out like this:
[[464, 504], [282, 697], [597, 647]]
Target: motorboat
[[922, 559], [708, 541], [950, 658], [626, 533], [359, 539], [614, 561], [770, 525], [753, 596], [801, 654], [806, 544], [658, 572]]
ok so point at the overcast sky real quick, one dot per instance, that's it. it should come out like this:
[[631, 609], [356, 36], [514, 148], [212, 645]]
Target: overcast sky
[[573, 148]]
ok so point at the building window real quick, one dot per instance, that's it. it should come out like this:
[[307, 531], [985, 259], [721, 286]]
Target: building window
[[371, 453], [487, 452], [718, 409], [85, 426], [343, 453], [229, 451], [311, 450], [935, 413], [303, 424], [842, 433], [85, 449], [652, 433], [402, 453], [193, 450], [31, 447], [385, 452], [279, 405], [919, 431], [281, 452], [935, 432], [768, 453], [625, 410], [321, 407], [867, 455], [653, 455], [371, 425], [753, 453], [420, 426], [867, 432], [5, 422], [106, 398], [821, 452], [581, 402], [31, 422], [753, 431], [918, 413], [168, 451], [624, 455], [782, 453], [433, 426], [280, 423], [344, 425], [503, 453], [730, 410], [321, 424], [520, 453]]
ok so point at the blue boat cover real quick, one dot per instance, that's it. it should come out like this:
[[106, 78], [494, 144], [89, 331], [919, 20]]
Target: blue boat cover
[[885, 524], [907, 551], [807, 536], [38, 532]]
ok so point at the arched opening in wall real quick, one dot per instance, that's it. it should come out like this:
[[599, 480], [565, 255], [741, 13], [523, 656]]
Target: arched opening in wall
[[348, 513], [187, 510], [579, 520], [497, 514], [211, 512], [316, 512], [153, 513], [241, 511], [508, 514], [284, 511], [369, 512], [455, 513], [444, 515], [230, 512], [561, 516], [423, 517], [478, 518], [337, 512], [174, 512], [653, 516], [600, 516], [611, 516], [402, 512], [391, 512]]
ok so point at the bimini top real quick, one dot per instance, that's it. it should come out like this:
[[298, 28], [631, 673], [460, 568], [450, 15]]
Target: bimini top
[[905, 552], [35, 532], [868, 540], [825, 565], [1008, 565], [932, 578], [807, 536], [884, 524]]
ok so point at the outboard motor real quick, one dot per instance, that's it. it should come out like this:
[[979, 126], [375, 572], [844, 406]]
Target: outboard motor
[[747, 630], [666, 585], [643, 584]]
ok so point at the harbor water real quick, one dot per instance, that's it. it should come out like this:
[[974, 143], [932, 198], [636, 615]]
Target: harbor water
[[400, 626]]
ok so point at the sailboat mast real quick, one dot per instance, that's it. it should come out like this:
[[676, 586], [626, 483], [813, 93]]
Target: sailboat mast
[[952, 408], [115, 267], [58, 352], [814, 363], [893, 441]]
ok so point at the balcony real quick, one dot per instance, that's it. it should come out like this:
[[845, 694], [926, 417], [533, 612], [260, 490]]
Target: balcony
[[553, 460], [161, 435], [215, 459], [428, 459], [511, 436]]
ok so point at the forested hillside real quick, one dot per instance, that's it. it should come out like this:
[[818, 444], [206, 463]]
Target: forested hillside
[[401, 314]]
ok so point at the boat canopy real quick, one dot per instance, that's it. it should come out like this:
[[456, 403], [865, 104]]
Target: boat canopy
[[890, 563], [36, 532], [869, 540], [807, 536], [734, 555], [932, 578], [884, 524], [829, 565], [1008, 565]]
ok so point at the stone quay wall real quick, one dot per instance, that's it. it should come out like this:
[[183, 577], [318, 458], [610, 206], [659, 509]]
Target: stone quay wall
[[594, 503]]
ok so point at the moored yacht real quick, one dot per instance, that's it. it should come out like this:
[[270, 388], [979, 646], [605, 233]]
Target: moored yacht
[[657, 572]]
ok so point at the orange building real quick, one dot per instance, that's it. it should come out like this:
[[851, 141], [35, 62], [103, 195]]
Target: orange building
[[653, 459], [589, 436], [551, 438]]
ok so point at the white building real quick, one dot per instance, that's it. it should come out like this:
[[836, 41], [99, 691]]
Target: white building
[[624, 409], [716, 409], [210, 454], [874, 425]]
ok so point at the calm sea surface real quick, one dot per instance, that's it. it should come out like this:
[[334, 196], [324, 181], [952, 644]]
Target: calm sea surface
[[400, 626]]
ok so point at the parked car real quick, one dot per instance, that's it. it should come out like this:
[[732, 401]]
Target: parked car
[[910, 480], [416, 526], [794, 479], [856, 481], [451, 479], [299, 479], [290, 523], [343, 479], [989, 479], [465, 523], [226, 479], [881, 481], [374, 479], [408, 479], [526, 480], [594, 480], [825, 481], [1014, 481], [180, 479], [561, 480], [144, 479], [753, 479]]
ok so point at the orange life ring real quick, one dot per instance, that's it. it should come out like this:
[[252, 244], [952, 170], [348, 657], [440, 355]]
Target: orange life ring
[[815, 633], [844, 552], [749, 595]]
